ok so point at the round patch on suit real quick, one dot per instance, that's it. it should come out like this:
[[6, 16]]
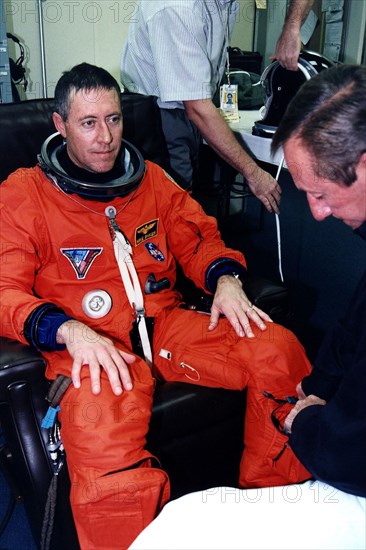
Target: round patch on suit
[[97, 303], [154, 252]]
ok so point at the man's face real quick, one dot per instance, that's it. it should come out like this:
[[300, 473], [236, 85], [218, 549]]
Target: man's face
[[326, 197], [93, 129]]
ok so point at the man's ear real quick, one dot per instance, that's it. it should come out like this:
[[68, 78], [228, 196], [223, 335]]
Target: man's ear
[[361, 170], [59, 124], [363, 159]]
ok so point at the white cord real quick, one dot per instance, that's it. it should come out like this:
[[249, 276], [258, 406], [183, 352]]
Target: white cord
[[278, 226]]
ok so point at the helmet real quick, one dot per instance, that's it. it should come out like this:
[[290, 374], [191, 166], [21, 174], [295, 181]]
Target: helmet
[[281, 86], [129, 181]]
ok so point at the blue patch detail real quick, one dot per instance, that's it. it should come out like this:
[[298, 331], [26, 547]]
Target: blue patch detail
[[154, 252], [81, 259]]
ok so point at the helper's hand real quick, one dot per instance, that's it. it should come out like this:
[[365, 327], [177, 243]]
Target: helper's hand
[[300, 405], [231, 301], [288, 48], [87, 347], [300, 392], [266, 189]]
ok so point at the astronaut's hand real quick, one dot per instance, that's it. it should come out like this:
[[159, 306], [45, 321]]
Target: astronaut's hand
[[88, 348], [230, 300]]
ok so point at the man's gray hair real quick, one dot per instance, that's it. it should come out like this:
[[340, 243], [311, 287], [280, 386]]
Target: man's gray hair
[[328, 115]]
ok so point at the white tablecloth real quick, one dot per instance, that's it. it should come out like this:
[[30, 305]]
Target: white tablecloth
[[260, 147], [312, 515]]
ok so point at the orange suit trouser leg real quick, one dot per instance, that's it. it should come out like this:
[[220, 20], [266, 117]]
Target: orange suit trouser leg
[[274, 362], [115, 489]]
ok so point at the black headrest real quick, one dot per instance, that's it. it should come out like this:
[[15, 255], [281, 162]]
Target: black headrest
[[25, 126]]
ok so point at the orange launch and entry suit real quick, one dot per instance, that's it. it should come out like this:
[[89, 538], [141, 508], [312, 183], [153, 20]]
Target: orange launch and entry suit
[[57, 250]]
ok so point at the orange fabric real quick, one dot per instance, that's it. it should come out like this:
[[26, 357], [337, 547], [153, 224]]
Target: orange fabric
[[127, 502], [115, 491], [274, 361], [268, 460], [38, 222], [40, 226], [104, 435]]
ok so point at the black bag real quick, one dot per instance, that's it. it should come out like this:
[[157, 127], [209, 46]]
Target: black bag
[[246, 61], [250, 93]]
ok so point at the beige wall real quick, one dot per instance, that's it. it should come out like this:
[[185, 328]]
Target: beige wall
[[85, 30]]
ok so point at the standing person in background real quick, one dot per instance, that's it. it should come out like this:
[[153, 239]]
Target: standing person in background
[[177, 51], [289, 43]]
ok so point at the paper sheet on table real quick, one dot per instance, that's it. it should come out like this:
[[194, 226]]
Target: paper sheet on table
[[261, 4], [308, 27]]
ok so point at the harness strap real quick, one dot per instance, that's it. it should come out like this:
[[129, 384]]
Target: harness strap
[[57, 390], [123, 254]]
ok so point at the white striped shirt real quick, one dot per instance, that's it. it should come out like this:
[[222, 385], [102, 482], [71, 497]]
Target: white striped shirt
[[176, 49]]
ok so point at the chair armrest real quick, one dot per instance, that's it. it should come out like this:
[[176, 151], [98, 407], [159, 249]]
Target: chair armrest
[[14, 353], [23, 388], [21, 364], [272, 297]]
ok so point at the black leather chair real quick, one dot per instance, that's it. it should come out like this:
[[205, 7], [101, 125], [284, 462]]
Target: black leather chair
[[196, 432]]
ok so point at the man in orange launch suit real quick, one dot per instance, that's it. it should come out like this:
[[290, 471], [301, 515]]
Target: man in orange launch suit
[[92, 234]]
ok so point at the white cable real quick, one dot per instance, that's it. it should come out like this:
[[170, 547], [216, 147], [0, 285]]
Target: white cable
[[308, 70], [278, 226]]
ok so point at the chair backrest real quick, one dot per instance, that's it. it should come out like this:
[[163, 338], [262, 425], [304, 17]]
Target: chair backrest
[[25, 125]]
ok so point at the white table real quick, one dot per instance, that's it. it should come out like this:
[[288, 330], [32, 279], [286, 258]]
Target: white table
[[294, 517], [259, 147]]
